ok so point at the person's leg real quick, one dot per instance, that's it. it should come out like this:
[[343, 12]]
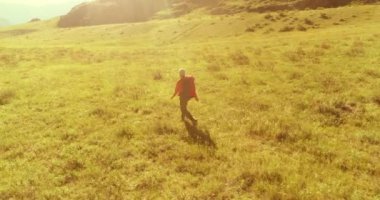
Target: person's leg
[[183, 106], [190, 116], [185, 112]]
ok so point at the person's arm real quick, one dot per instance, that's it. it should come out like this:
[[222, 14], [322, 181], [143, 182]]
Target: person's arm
[[196, 95], [195, 90], [175, 91]]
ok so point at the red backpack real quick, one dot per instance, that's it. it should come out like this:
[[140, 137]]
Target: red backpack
[[188, 87]]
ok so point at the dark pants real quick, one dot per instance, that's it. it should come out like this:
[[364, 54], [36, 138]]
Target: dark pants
[[185, 113]]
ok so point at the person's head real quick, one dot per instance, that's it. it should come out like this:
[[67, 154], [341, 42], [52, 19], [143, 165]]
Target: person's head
[[182, 73]]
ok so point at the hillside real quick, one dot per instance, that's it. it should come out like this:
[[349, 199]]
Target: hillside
[[278, 5], [289, 107], [123, 11]]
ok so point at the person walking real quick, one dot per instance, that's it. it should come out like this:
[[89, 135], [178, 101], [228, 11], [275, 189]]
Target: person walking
[[185, 89]]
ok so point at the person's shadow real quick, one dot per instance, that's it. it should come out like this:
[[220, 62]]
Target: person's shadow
[[198, 136]]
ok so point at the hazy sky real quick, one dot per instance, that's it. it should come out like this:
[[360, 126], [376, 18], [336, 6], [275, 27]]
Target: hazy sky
[[20, 11]]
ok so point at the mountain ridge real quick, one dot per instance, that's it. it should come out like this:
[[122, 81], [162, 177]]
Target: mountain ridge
[[124, 11]]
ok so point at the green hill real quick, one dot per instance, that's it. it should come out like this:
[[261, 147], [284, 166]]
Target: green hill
[[289, 107]]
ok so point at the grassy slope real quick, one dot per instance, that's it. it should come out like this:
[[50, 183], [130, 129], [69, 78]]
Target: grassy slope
[[293, 115]]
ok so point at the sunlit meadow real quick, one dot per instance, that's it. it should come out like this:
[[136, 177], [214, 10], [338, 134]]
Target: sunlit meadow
[[289, 108]]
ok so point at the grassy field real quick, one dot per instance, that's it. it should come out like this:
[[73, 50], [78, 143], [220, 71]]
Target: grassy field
[[289, 108]]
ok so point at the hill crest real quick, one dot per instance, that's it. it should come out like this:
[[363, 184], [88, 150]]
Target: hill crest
[[124, 11]]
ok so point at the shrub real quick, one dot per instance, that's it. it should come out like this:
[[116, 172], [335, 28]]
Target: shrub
[[376, 99], [163, 129], [356, 49], [69, 178], [210, 58], [370, 139], [6, 96], [258, 26], [324, 16], [301, 28], [126, 132], [268, 16], [214, 63], [250, 29], [157, 76], [263, 65], [325, 45], [258, 52], [149, 183], [99, 112], [269, 30], [278, 130], [247, 180], [295, 75], [287, 29], [282, 136], [330, 83], [372, 73], [259, 129], [119, 91], [282, 14], [69, 137], [222, 77], [296, 56], [133, 92], [309, 22], [74, 165], [213, 67], [338, 112], [239, 58], [271, 177], [8, 60]]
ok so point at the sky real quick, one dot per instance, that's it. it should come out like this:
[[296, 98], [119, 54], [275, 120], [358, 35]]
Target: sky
[[21, 11]]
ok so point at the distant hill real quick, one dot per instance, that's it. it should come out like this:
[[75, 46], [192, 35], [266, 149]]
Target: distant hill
[[111, 11], [4, 22], [122, 11]]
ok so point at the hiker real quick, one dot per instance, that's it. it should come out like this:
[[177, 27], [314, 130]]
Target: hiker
[[185, 89]]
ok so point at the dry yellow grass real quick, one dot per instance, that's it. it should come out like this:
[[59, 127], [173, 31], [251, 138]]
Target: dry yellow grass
[[85, 112]]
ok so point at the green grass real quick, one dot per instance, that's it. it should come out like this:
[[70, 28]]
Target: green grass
[[85, 112]]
